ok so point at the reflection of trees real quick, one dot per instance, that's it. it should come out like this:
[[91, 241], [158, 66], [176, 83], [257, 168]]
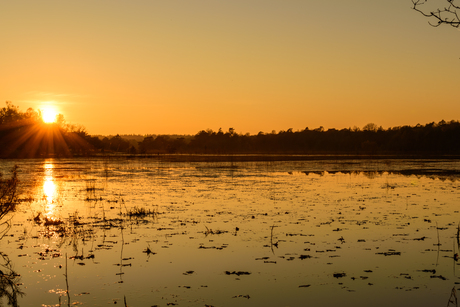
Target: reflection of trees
[[9, 282], [451, 175]]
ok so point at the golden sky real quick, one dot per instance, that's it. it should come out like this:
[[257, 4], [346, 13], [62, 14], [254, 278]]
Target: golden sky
[[153, 67]]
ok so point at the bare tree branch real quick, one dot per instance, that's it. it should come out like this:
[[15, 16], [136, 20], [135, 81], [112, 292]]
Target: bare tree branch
[[449, 14]]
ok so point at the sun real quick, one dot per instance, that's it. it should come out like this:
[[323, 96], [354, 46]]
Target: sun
[[49, 115]]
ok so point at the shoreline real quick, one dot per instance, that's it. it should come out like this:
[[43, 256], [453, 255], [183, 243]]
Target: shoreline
[[254, 157]]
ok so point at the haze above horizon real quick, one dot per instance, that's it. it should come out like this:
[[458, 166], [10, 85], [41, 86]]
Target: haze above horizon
[[178, 67]]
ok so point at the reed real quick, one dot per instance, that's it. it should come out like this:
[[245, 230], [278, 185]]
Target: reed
[[67, 281], [437, 231], [271, 239], [453, 298], [458, 235]]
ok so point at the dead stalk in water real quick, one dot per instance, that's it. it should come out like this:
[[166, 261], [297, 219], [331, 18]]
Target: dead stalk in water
[[67, 281], [437, 231], [453, 298], [458, 236], [271, 238]]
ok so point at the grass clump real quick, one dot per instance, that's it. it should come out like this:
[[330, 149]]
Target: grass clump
[[141, 212]]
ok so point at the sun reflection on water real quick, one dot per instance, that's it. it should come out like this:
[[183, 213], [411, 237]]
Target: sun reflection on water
[[49, 190]]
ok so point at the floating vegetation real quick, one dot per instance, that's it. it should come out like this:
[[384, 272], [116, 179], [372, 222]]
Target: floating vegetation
[[148, 251], [213, 247], [52, 222], [438, 276], [433, 271], [237, 273], [339, 275], [242, 296], [213, 232], [389, 253]]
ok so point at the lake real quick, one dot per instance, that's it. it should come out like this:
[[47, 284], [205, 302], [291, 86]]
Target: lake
[[142, 232]]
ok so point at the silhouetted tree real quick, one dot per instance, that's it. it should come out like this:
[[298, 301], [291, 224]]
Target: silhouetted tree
[[448, 13], [370, 127]]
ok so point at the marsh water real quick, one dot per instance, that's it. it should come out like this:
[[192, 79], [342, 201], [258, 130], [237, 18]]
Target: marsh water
[[142, 232]]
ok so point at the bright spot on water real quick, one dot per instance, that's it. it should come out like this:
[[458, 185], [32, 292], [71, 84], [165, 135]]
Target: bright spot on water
[[49, 189]]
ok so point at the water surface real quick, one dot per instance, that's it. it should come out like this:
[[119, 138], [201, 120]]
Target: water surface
[[343, 232]]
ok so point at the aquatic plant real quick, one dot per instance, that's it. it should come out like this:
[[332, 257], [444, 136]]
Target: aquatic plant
[[8, 193], [148, 251], [213, 232], [9, 282], [8, 197]]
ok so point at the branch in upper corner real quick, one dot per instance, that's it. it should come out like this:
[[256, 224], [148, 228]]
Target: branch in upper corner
[[447, 14]]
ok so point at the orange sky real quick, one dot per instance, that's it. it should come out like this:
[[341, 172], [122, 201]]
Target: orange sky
[[152, 67]]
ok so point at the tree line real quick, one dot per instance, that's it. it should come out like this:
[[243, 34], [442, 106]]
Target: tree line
[[23, 134], [433, 138]]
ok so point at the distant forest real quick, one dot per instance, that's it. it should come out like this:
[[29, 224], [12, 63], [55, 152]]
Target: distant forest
[[24, 135]]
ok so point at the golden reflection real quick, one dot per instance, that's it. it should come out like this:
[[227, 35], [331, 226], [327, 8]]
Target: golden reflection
[[49, 190], [49, 166]]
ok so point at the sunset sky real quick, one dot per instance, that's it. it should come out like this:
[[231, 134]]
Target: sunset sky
[[178, 67]]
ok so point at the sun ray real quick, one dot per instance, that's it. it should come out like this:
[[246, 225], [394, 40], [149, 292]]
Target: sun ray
[[28, 139]]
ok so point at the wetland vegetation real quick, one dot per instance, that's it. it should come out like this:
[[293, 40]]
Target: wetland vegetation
[[144, 232]]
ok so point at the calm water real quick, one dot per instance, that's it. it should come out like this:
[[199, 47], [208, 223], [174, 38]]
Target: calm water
[[329, 233]]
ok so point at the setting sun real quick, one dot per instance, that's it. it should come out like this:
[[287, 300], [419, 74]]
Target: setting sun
[[49, 115]]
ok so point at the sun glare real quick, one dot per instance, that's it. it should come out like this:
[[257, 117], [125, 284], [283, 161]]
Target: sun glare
[[49, 115]]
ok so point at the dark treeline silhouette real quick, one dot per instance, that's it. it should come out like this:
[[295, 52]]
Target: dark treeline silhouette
[[434, 138], [25, 135]]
